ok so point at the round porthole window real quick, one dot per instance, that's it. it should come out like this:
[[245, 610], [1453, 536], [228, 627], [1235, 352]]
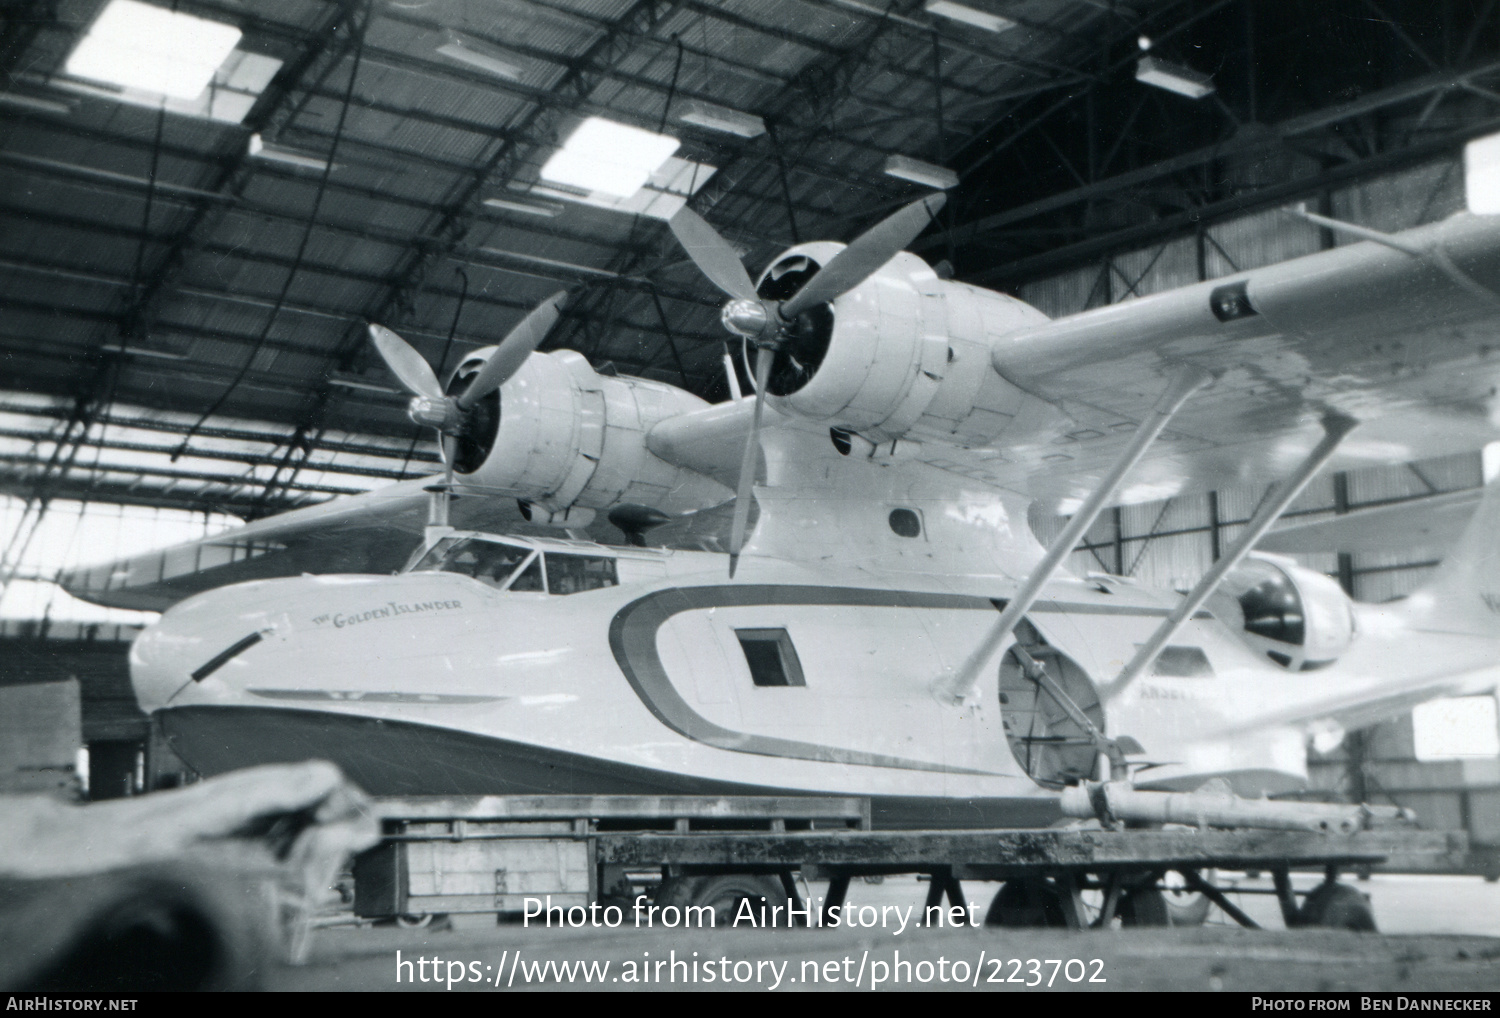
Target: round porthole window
[[905, 523]]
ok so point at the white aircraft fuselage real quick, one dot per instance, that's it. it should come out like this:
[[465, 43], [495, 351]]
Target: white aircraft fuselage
[[435, 682]]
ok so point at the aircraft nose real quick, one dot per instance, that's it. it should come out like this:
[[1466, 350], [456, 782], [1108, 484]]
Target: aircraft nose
[[195, 637], [160, 663]]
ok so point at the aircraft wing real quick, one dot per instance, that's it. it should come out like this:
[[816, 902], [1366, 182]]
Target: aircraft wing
[[1405, 341], [371, 533], [1403, 335]]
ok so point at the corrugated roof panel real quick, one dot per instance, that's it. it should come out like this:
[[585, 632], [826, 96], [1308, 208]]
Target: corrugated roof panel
[[399, 167], [746, 45], [831, 26]]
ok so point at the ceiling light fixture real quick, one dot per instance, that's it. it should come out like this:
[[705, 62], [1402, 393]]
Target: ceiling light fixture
[[602, 155], [939, 178], [1173, 77], [664, 193], [475, 53], [717, 118], [344, 382], [155, 353], [548, 210], [968, 15], [137, 45], [276, 154]]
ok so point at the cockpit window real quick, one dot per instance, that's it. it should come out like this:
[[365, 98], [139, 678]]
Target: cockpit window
[[530, 578], [489, 562], [572, 574]]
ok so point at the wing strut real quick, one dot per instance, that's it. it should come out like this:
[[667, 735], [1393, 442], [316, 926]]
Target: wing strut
[[1335, 426], [959, 686]]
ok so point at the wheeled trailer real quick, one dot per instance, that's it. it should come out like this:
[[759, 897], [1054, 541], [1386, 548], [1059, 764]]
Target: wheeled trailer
[[513, 854]]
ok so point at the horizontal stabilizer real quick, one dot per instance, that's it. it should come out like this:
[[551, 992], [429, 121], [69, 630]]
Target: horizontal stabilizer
[[1464, 594], [1434, 522]]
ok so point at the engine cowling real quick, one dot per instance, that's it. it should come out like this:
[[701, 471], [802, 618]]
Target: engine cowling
[[903, 352], [1297, 617], [559, 435]]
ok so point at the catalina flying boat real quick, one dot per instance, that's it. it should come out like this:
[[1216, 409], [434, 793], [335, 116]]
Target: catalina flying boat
[[831, 585]]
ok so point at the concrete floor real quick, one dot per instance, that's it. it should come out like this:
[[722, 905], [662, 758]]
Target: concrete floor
[[1439, 933], [1402, 904]]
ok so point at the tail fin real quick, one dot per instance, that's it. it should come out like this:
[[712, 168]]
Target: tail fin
[[1464, 595]]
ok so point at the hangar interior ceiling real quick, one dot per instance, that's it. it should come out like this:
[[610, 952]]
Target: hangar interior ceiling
[[184, 284]]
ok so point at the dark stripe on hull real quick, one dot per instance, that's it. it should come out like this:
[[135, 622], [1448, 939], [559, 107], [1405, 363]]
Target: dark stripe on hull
[[400, 758], [632, 639], [633, 632]]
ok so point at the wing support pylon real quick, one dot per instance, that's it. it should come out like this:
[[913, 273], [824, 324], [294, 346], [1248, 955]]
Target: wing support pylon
[[959, 686], [1335, 427]]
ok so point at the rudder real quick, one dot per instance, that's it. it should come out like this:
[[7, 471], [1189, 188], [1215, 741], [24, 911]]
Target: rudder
[[1464, 594]]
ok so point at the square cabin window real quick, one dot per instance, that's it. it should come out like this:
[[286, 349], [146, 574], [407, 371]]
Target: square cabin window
[[771, 657]]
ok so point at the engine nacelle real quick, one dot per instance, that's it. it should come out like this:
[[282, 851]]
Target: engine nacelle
[[562, 437], [902, 353], [1297, 617]]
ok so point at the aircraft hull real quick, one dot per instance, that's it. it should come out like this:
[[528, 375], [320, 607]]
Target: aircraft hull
[[431, 683], [387, 757]]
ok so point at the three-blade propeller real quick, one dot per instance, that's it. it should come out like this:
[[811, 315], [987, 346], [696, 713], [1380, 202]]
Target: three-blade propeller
[[765, 323], [450, 414]]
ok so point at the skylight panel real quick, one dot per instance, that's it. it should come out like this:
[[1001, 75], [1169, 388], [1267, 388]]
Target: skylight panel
[[616, 159], [229, 97], [141, 46], [664, 192]]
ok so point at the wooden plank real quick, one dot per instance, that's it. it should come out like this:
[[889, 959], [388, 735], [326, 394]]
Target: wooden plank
[[998, 853]]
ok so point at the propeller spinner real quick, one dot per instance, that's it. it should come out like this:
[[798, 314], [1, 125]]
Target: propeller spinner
[[451, 415], [768, 324]]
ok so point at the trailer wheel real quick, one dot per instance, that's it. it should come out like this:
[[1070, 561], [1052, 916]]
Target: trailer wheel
[[1184, 906], [727, 894], [1145, 906], [1339, 907], [1031, 902]]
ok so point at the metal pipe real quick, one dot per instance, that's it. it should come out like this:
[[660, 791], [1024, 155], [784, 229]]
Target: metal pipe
[[1188, 379], [1335, 426], [1212, 806]]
